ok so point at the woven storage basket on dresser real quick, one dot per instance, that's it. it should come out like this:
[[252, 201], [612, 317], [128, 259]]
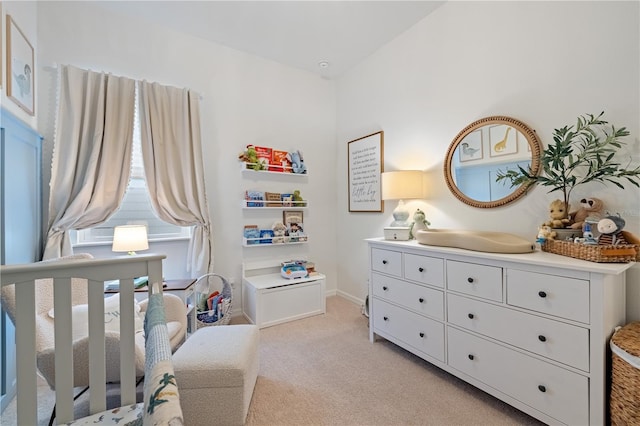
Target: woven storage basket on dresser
[[625, 377], [597, 253], [220, 314]]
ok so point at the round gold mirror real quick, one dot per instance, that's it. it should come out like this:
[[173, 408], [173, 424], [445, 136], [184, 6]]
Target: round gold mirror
[[484, 150]]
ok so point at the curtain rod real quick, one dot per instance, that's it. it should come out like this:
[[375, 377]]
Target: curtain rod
[[55, 66]]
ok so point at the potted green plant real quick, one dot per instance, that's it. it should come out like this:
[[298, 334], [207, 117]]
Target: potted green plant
[[579, 154]]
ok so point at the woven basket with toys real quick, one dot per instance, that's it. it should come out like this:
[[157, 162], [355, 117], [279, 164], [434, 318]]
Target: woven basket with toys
[[613, 245], [213, 300]]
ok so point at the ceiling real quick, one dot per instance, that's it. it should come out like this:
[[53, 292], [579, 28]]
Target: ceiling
[[301, 34]]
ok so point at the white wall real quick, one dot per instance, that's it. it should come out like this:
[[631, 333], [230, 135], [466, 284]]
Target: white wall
[[246, 100], [543, 63]]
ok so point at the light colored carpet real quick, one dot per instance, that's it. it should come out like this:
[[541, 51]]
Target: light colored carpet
[[324, 371]]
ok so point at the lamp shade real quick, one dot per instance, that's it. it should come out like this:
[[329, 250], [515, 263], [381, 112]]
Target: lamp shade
[[130, 238], [402, 185]]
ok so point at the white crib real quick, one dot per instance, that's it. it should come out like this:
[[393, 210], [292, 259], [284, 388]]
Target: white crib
[[96, 272]]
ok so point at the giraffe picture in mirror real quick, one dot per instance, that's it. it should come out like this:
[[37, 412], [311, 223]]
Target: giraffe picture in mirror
[[482, 151], [503, 140]]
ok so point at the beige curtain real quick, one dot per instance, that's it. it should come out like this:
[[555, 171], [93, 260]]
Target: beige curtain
[[91, 155], [172, 157]]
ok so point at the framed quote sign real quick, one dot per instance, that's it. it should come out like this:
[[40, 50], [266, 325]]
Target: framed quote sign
[[366, 164]]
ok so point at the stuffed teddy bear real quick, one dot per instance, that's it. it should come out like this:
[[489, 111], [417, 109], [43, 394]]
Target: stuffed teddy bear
[[419, 223], [558, 214], [589, 207], [279, 231], [610, 229], [297, 162]]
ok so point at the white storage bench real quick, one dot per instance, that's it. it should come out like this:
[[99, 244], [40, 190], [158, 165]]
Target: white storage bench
[[269, 299]]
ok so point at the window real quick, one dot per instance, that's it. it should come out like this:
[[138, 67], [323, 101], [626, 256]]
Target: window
[[136, 206]]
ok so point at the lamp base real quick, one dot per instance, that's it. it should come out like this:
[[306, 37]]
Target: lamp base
[[400, 216]]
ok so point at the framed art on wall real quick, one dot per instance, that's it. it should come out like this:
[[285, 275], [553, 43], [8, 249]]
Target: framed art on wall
[[1, 46], [365, 165], [503, 140], [471, 147], [20, 70], [289, 217]]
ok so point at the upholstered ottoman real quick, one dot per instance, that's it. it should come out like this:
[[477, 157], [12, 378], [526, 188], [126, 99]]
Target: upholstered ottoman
[[216, 370]]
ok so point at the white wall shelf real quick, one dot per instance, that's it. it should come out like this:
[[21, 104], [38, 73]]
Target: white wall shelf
[[254, 173], [258, 242], [281, 206]]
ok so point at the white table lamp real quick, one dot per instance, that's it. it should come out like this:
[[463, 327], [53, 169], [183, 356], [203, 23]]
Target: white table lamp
[[130, 238], [402, 185]]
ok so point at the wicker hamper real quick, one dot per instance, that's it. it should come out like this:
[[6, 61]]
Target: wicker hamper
[[597, 253], [216, 315], [625, 375]]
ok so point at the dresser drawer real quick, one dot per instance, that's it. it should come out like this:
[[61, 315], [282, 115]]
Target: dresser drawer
[[421, 333], [423, 300], [561, 342], [559, 296], [424, 269], [559, 393], [387, 261], [475, 280]]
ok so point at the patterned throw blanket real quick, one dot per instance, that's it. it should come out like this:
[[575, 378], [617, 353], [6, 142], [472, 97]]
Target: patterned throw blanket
[[161, 405], [161, 398]]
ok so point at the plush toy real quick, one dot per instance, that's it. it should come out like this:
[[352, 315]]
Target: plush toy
[[297, 162], [298, 201], [250, 156], [610, 229], [419, 223], [589, 208], [587, 236], [279, 231], [545, 233], [558, 214]]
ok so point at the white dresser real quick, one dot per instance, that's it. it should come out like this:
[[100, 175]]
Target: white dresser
[[531, 329]]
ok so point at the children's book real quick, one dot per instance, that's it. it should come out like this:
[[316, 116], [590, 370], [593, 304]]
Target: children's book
[[280, 162]]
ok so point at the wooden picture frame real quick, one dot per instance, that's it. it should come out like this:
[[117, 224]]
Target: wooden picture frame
[[292, 216], [20, 68], [365, 158], [1, 48]]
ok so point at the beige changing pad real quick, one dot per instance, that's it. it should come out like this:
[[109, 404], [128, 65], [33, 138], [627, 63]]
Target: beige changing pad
[[486, 241]]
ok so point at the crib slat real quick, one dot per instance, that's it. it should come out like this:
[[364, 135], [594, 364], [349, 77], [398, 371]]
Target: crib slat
[[96, 271], [64, 351], [127, 344], [97, 355], [26, 354]]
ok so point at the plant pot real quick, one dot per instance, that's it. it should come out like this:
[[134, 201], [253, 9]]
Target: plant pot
[[563, 234]]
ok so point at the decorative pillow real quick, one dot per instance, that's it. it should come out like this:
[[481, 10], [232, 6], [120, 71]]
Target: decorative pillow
[[80, 317]]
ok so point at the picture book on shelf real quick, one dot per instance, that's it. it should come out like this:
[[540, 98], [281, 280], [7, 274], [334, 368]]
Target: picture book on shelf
[[280, 162], [254, 198], [264, 154]]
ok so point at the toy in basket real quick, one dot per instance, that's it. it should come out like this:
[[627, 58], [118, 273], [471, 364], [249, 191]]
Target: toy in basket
[[213, 300]]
